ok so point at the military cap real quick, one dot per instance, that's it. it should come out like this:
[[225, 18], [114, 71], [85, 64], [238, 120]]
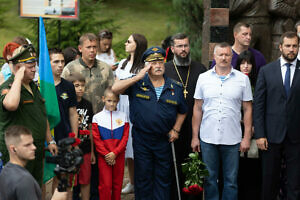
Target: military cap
[[154, 54], [25, 54]]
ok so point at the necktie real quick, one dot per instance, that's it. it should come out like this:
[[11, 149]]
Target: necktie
[[287, 79]]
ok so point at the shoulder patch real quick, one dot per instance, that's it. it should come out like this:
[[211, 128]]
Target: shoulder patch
[[176, 83]]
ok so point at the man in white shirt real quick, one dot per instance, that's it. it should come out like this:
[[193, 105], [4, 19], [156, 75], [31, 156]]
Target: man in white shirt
[[220, 93]]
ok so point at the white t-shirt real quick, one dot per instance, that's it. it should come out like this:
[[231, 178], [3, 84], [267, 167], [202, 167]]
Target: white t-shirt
[[123, 104], [109, 59]]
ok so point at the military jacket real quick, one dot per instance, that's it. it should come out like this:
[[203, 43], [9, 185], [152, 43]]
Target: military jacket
[[30, 113], [150, 115]]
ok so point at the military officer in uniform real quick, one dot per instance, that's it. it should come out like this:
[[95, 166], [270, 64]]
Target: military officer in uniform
[[157, 111], [22, 104]]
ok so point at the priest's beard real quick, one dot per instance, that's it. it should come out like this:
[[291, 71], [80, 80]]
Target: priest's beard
[[179, 61]]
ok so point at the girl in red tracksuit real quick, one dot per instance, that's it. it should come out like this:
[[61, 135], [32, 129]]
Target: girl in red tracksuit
[[110, 133]]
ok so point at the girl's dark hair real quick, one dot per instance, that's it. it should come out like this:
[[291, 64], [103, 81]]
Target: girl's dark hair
[[249, 57], [105, 33], [141, 46]]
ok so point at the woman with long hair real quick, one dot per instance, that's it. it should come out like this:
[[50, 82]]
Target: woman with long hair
[[135, 46], [249, 177]]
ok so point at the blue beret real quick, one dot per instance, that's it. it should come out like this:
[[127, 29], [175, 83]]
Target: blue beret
[[154, 54]]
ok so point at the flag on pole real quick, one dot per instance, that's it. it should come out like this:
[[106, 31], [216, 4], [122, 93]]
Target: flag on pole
[[47, 87]]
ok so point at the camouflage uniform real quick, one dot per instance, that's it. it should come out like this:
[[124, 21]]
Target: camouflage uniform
[[97, 79]]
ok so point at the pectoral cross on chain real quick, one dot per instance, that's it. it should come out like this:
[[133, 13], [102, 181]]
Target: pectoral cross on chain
[[185, 92]]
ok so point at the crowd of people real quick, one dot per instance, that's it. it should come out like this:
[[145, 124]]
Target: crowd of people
[[240, 113]]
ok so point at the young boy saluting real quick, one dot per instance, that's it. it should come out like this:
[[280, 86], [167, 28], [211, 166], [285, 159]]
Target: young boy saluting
[[110, 133]]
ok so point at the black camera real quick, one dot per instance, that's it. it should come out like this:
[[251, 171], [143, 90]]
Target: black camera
[[68, 161]]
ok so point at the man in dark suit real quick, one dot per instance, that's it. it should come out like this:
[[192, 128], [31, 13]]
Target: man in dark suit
[[277, 119]]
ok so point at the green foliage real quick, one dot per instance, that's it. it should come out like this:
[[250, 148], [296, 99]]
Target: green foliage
[[119, 49], [153, 18], [194, 170], [5, 6], [71, 30], [190, 17]]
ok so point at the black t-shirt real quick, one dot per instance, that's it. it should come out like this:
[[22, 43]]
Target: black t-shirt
[[16, 183], [66, 97], [85, 116]]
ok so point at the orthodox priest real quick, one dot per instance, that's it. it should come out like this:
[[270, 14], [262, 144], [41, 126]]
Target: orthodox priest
[[186, 72]]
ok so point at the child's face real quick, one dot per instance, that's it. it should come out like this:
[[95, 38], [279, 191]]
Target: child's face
[[110, 101], [79, 88]]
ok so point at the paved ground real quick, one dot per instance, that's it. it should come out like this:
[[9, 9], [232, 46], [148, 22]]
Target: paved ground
[[123, 196]]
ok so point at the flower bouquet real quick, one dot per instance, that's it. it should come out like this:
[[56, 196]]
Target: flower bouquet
[[194, 171], [77, 140]]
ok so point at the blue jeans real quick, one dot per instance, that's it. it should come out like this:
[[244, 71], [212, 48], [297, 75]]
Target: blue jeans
[[228, 155]]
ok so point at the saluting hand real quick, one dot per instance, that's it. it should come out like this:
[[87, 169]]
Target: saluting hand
[[20, 73], [143, 72]]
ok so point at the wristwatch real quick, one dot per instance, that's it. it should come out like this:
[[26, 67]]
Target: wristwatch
[[52, 142]]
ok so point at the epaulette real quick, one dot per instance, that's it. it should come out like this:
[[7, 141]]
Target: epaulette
[[177, 83]]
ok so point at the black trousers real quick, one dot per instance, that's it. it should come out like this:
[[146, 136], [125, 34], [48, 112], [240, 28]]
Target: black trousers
[[271, 165], [249, 179]]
